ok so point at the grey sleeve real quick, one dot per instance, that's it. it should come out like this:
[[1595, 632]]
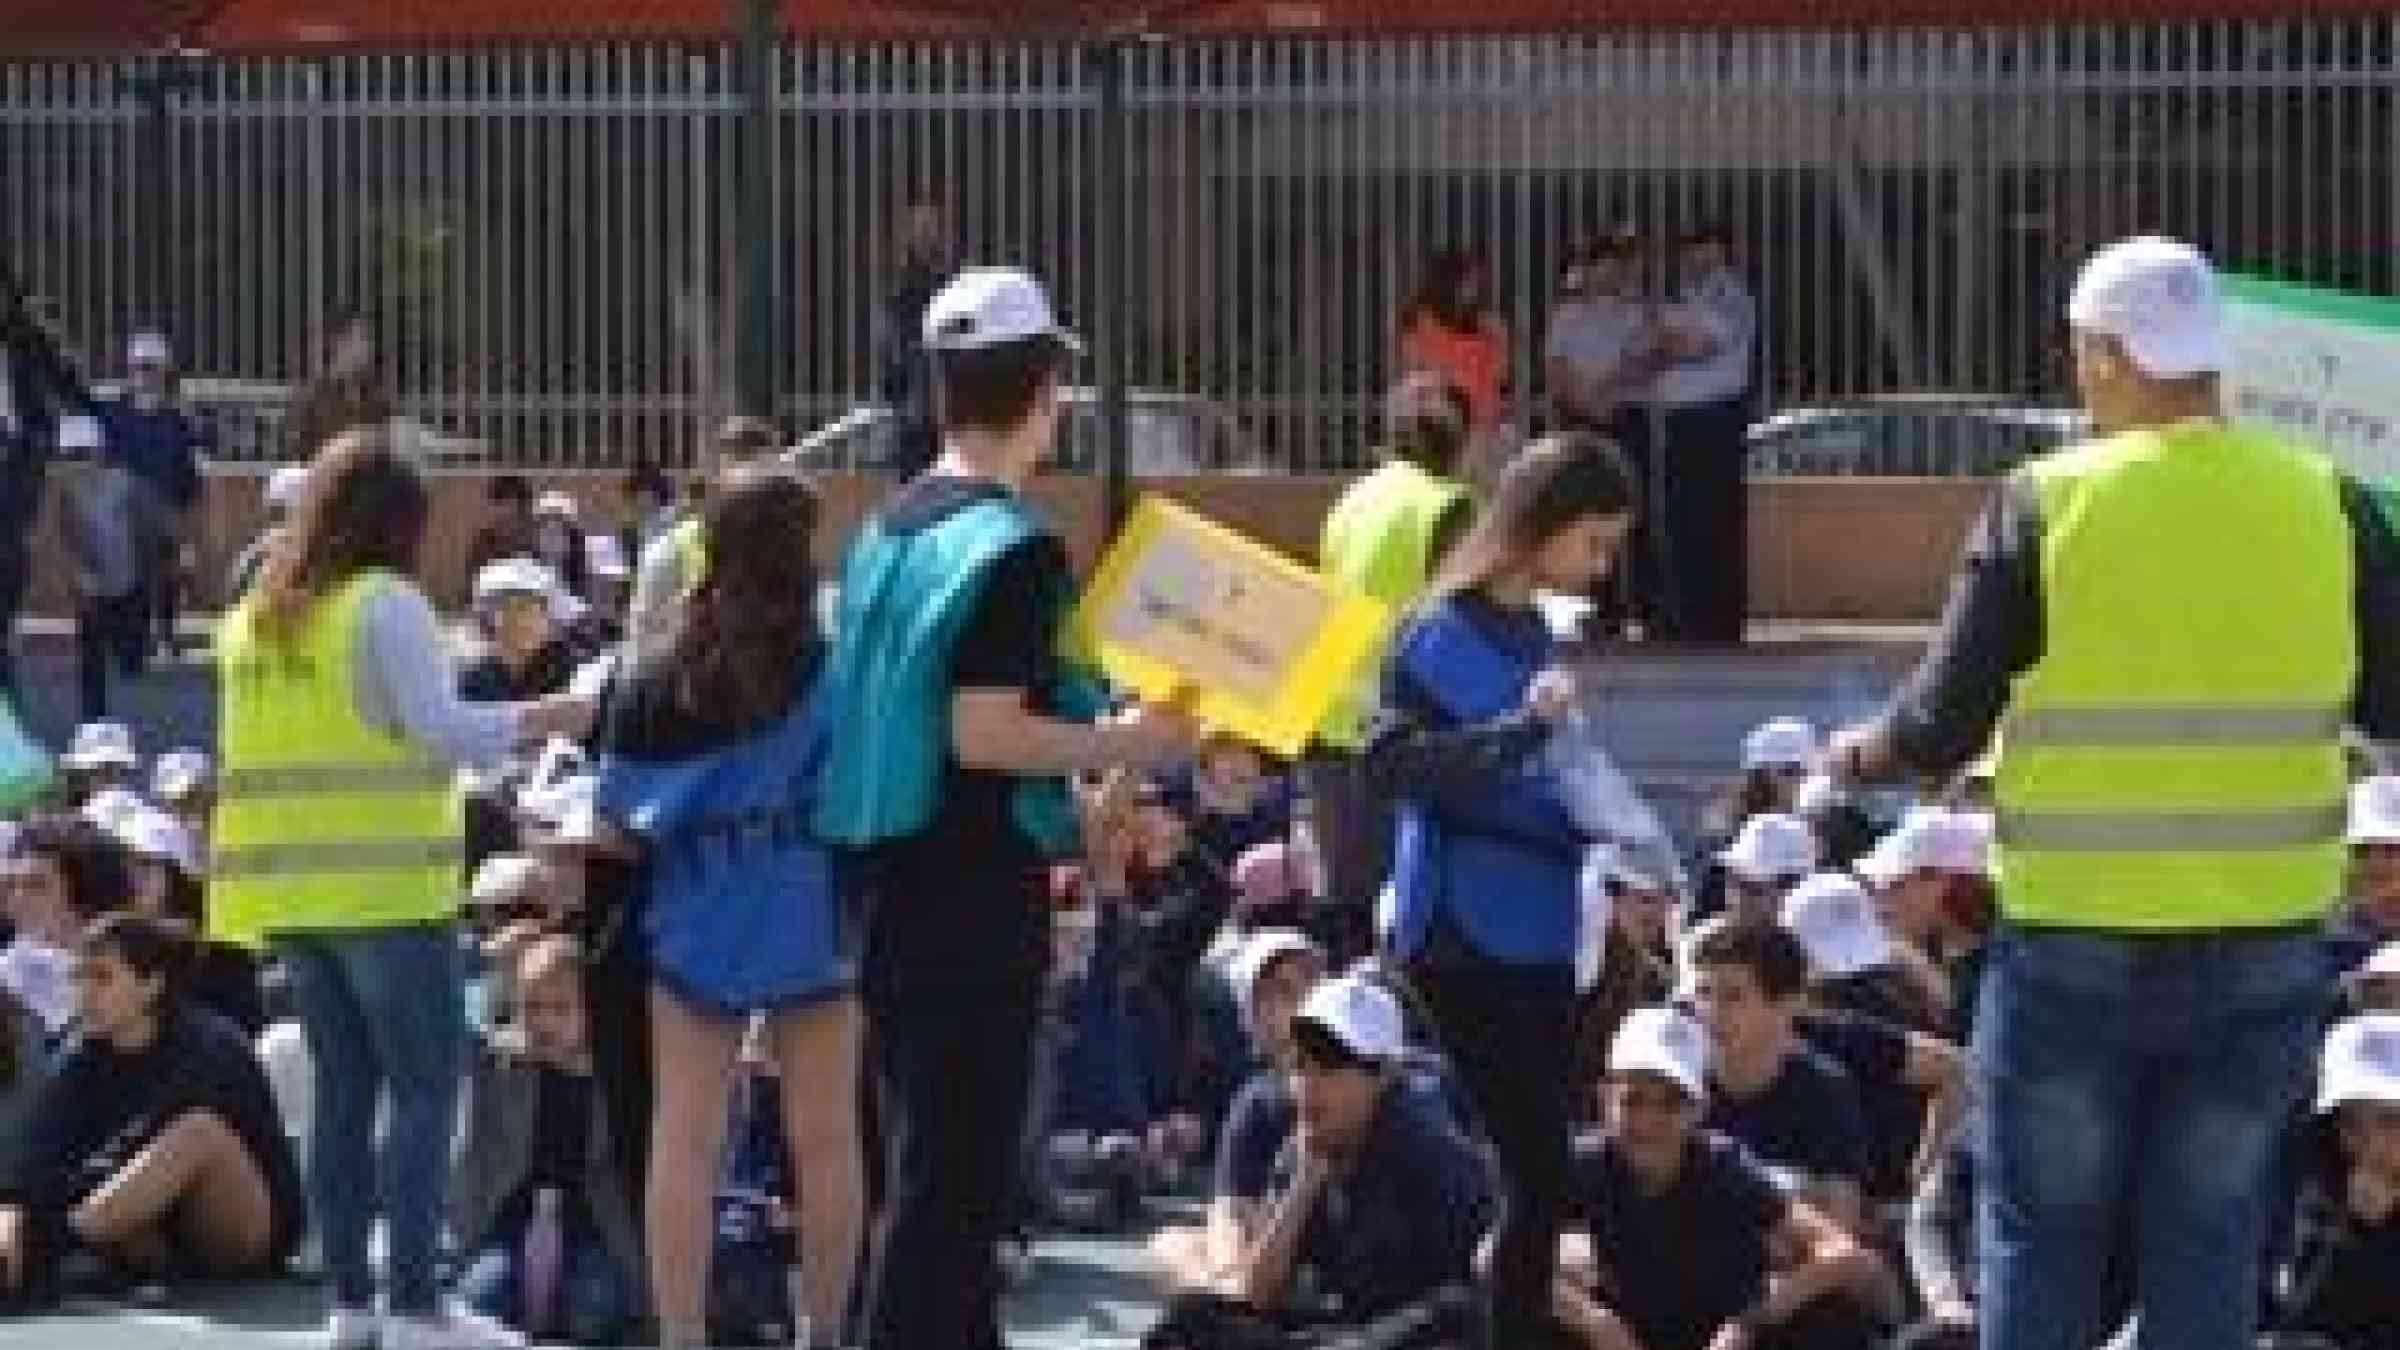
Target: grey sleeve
[[658, 582], [2375, 525], [406, 685], [1991, 632]]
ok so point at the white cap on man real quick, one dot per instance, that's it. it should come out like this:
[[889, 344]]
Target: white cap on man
[[506, 577], [503, 879], [152, 833], [1785, 743], [2158, 298], [149, 348], [1259, 954], [2375, 811], [989, 306], [1360, 1015], [1835, 921], [2361, 1062], [284, 487], [1771, 847], [1665, 1041], [557, 504], [110, 810], [1930, 839], [2381, 964], [180, 773], [102, 745]]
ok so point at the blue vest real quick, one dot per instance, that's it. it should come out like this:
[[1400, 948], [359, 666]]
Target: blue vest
[[905, 596], [1500, 865], [739, 908]]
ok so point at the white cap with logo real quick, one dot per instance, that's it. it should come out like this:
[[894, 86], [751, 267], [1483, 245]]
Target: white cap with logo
[[2361, 1062], [1836, 923], [2375, 811], [988, 306], [1664, 1041], [2158, 298], [1360, 1015], [1784, 743], [1771, 847]]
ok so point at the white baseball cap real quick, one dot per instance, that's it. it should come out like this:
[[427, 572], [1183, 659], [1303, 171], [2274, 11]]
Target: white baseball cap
[[101, 745], [1835, 921], [113, 809], [80, 431], [556, 504], [1931, 839], [179, 772], [502, 879], [1360, 1015], [285, 485], [2381, 964], [513, 576], [1263, 949], [987, 306], [606, 554], [2361, 1062], [1771, 847], [152, 833], [2375, 811], [149, 348], [1784, 743], [1664, 1041], [2158, 298]]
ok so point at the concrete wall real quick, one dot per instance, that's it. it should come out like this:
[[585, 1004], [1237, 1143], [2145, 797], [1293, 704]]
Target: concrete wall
[[1866, 549]]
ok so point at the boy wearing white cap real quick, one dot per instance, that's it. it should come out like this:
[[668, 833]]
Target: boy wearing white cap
[[2371, 915], [2345, 1284], [1681, 1224], [1767, 858], [1382, 1199], [99, 758], [955, 728], [2168, 627]]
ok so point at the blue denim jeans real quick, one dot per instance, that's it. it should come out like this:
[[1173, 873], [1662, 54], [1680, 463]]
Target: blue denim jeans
[[2132, 1094], [383, 1013]]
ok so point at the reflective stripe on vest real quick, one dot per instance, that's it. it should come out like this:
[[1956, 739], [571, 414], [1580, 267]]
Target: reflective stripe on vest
[[2172, 760], [316, 780], [336, 857]]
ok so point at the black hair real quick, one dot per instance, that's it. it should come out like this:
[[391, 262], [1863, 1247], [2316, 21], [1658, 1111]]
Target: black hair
[[94, 866], [1555, 482], [149, 946], [748, 631], [1441, 290], [1767, 950], [993, 388], [1425, 421], [510, 488]]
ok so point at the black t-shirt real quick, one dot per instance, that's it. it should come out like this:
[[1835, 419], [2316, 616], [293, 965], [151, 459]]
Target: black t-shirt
[[1875, 1055], [1808, 1119], [562, 1129], [1677, 1264], [964, 904]]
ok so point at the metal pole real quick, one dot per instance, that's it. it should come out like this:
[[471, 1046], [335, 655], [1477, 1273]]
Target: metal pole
[[754, 211], [154, 85], [1115, 329]]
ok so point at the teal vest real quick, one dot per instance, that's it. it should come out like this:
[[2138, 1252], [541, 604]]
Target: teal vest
[[904, 598]]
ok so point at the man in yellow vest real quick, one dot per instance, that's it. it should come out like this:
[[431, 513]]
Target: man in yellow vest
[[2169, 627], [1384, 535]]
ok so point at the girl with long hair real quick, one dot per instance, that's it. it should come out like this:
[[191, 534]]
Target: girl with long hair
[[337, 844], [708, 766], [1485, 904]]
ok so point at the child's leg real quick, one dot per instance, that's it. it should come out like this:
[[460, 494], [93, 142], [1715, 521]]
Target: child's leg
[[692, 1056], [816, 1050], [196, 1170]]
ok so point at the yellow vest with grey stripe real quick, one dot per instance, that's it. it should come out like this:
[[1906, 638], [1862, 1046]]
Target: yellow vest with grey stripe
[[323, 821], [2173, 761]]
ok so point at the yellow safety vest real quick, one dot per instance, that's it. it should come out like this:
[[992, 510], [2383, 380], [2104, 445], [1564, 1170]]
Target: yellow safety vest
[[1379, 538], [322, 821], [2173, 761]]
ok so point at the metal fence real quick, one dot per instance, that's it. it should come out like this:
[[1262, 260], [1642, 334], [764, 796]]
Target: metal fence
[[544, 235]]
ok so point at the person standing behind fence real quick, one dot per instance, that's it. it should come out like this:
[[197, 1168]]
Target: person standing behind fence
[[1449, 329], [904, 373], [1486, 899], [954, 726], [161, 445], [1709, 341], [337, 844], [1384, 536], [99, 524], [2170, 792]]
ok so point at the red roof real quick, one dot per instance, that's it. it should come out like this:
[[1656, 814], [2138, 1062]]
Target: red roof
[[250, 25]]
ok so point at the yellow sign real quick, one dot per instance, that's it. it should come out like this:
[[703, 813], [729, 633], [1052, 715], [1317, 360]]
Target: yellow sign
[[1257, 644]]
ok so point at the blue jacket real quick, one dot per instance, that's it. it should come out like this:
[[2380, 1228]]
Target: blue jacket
[[1483, 842]]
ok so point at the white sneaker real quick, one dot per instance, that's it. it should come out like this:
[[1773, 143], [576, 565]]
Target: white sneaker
[[353, 1329], [456, 1329]]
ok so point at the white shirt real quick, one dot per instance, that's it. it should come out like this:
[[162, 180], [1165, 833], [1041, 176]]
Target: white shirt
[[1593, 335], [1718, 308]]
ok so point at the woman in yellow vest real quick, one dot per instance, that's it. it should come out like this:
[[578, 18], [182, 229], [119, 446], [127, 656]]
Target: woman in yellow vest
[[337, 845]]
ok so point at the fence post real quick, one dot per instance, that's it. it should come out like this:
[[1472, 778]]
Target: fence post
[[754, 379], [1115, 329]]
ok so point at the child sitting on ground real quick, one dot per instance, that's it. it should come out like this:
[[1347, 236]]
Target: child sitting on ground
[[2345, 1286]]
